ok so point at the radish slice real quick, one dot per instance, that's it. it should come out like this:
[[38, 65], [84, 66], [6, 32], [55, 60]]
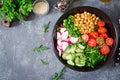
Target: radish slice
[[65, 35], [59, 35], [65, 44], [59, 48], [73, 40], [60, 51], [62, 30], [61, 25], [67, 40], [59, 43]]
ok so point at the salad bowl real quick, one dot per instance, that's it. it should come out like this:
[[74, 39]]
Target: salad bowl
[[111, 32]]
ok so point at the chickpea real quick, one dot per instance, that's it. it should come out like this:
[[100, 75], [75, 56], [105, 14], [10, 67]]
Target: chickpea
[[86, 20]]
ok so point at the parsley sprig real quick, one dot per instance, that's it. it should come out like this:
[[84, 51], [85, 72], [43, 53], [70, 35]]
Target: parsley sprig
[[40, 48]]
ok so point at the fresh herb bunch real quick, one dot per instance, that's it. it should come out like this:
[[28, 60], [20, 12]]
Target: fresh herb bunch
[[15, 9]]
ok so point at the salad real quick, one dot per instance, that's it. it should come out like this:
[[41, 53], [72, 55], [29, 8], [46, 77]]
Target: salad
[[82, 40]]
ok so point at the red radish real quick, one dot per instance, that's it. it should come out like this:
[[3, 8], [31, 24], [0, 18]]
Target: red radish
[[59, 42], [85, 37], [62, 35], [67, 40], [65, 35], [59, 35], [64, 45], [62, 30], [61, 25]]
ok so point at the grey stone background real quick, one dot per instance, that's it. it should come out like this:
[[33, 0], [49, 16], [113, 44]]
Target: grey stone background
[[19, 62]]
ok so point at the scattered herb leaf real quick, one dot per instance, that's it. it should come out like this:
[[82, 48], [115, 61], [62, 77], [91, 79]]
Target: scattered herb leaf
[[58, 75], [40, 48], [44, 62], [46, 26]]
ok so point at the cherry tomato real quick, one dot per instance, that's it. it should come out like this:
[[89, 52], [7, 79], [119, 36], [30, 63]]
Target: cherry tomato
[[102, 30], [109, 41], [93, 34], [101, 24], [105, 49], [104, 35], [92, 42]]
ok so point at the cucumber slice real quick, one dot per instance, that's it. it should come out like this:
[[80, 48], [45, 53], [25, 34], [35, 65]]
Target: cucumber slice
[[79, 54], [70, 62], [64, 56], [79, 50], [69, 57], [80, 60], [81, 46], [71, 48], [77, 60]]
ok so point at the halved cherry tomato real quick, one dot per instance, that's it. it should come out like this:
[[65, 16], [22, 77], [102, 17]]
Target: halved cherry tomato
[[109, 41], [92, 42], [93, 34], [105, 49], [101, 24], [102, 30], [104, 35], [85, 37]]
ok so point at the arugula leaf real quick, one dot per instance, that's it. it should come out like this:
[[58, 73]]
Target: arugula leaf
[[58, 75], [44, 62], [40, 48], [93, 56], [46, 26]]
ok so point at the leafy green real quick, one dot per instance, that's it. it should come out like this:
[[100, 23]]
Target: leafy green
[[71, 28], [93, 56], [46, 26], [58, 75], [44, 62], [96, 28], [15, 9], [40, 48]]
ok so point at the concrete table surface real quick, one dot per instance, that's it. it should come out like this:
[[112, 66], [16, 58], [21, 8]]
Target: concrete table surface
[[19, 62]]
